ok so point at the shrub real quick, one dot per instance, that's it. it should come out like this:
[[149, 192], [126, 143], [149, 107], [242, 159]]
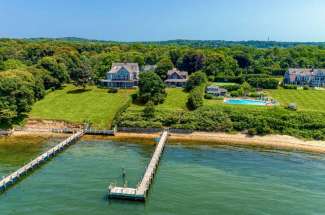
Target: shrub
[[290, 87], [236, 79], [306, 87], [262, 127], [211, 78], [195, 99], [112, 90], [195, 80], [245, 88], [228, 118], [149, 110], [117, 118], [252, 131], [134, 97], [208, 96], [231, 87], [265, 83], [234, 93], [254, 95]]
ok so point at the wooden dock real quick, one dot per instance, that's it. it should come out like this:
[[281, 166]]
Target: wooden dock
[[89, 131], [140, 192], [15, 176]]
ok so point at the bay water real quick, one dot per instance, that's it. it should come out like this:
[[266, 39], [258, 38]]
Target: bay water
[[191, 179]]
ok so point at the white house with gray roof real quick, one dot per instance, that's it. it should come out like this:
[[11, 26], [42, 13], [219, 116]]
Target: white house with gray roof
[[310, 77], [122, 75], [216, 90]]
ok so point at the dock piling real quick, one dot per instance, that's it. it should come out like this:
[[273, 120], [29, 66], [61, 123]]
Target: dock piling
[[140, 192], [15, 176]]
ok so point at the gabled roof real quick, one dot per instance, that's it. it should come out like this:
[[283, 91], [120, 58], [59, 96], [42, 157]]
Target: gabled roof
[[130, 67], [299, 71], [319, 71], [216, 89], [179, 73]]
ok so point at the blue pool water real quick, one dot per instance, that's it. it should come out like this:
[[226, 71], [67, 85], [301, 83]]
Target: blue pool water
[[244, 102]]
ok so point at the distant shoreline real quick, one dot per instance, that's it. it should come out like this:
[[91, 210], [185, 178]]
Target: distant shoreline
[[281, 142]]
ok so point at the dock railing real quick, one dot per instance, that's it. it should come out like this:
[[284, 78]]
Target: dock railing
[[14, 177], [140, 192]]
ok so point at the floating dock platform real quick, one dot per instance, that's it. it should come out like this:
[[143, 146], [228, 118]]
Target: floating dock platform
[[140, 192], [14, 177]]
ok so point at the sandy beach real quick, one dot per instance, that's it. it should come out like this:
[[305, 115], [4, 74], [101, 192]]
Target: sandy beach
[[269, 141], [219, 138]]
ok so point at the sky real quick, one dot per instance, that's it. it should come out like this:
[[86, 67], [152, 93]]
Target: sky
[[153, 20]]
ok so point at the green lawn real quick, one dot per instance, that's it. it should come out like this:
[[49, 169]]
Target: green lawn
[[71, 105], [313, 100], [176, 100]]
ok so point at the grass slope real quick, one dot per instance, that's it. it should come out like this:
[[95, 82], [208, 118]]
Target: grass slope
[[73, 105], [176, 100], [311, 100]]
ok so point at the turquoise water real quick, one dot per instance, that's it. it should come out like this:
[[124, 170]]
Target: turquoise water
[[190, 180], [244, 102]]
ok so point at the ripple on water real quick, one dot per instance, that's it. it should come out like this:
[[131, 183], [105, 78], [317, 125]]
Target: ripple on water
[[190, 180]]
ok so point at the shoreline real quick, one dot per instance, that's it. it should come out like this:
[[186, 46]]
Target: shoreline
[[281, 142]]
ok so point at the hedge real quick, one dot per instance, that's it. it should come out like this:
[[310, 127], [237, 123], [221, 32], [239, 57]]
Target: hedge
[[227, 118]]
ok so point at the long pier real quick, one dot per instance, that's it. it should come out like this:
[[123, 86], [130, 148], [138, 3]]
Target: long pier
[[15, 176], [88, 131], [140, 192]]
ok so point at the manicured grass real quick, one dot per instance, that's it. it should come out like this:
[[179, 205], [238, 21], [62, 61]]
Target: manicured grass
[[212, 102], [311, 100], [74, 105], [176, 100]]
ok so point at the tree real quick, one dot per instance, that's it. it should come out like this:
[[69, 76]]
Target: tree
[[102, 63], [163, 66], [192, 61], [13, 64], [17, 90], [196, 98], [81, 75], [151, 57], [243, 61], [57, 70], [214, 63], [151, 88], [1, 63], [35, 51], [174, 55], [132, 56], [196, 79], [245, 88]]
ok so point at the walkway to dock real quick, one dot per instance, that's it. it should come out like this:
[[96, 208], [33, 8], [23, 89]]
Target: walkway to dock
[[14, 177], [140, 192]]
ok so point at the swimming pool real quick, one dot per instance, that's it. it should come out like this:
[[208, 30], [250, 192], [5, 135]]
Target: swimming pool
[[245, 102]]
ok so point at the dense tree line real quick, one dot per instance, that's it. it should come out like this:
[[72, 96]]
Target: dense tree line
[[29, 68], [63, 58]]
